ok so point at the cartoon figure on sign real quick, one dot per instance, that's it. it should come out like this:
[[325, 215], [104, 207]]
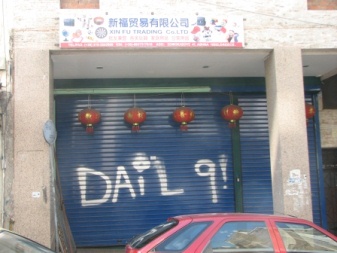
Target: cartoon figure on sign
[[221, 27], [233, 32], [230, 36], [65, 34], [201, 22], [196, 38], [212, 30], [195, 30], [207, 33], [77, 36], [236, 37]]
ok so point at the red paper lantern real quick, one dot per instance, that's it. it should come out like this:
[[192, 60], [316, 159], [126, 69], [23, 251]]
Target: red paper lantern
[[183, 115], [309, 111], [232, 113], [89, 117], [135, 116]]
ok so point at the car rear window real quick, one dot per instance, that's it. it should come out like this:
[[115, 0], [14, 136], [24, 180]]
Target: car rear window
[[304, 238], [141, 240], [182, 238]]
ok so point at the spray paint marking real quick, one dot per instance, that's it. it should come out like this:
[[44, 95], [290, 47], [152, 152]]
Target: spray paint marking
[[203, 168], [121, 173], [223, 165], [82, 174], [210, 173], [161, 170], [140, 164]]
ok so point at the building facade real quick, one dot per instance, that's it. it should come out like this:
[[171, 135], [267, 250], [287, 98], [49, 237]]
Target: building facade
[[270, 162]]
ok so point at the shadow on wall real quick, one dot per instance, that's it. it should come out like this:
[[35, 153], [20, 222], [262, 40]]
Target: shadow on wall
[[329, 156]]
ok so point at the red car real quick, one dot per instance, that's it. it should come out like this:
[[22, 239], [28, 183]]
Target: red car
[[223, 233]]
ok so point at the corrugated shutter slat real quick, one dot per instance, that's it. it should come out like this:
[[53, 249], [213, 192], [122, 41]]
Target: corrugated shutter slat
[[255, 159]]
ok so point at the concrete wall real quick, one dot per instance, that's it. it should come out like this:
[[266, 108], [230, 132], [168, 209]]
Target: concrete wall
[[287, 133], [33, 33], [268, 24], [32, 173]]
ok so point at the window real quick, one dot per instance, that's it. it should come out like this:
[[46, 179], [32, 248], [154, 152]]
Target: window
[[184, 237], [143, 239], [304, 238], [241, 236]]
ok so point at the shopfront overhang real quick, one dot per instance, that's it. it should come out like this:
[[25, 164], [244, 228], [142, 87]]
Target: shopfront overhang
[[179, 63]]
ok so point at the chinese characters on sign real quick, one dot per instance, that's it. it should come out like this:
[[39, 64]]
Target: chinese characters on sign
[[101, 30]]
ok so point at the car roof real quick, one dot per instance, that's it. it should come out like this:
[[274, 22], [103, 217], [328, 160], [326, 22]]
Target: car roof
[[3, 230], [204, 216]]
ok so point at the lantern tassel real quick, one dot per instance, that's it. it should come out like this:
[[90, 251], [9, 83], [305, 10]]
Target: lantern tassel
[[232, 124], [135, 128], [183, 127], [90, 129]]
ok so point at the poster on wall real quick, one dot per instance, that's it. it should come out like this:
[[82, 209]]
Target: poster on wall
[[103, 30]]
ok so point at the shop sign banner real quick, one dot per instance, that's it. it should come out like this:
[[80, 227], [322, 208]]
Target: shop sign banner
[[102, 30]]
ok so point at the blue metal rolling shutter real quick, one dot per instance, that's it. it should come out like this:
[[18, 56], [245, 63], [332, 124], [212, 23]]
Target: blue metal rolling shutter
[[257, 187], [255, 160], [117, 184], [315, 167]]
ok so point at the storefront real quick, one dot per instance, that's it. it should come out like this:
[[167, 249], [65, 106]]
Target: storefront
[[117, 182]]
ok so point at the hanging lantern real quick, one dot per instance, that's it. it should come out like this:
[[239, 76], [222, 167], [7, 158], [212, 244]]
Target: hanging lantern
[[183, 115], [89, 117], [309, 111], [135, 116], [232, 113]]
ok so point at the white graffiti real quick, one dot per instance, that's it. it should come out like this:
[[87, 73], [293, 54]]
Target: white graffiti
[[210, 173], [121, 172], [223, 165], [141, 163], [82, 175], [141, 185], [161, 171], [203, 168]]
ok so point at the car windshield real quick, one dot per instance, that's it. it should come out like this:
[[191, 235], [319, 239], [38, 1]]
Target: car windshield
[[12, 243], [141, 240], [304, 238]]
